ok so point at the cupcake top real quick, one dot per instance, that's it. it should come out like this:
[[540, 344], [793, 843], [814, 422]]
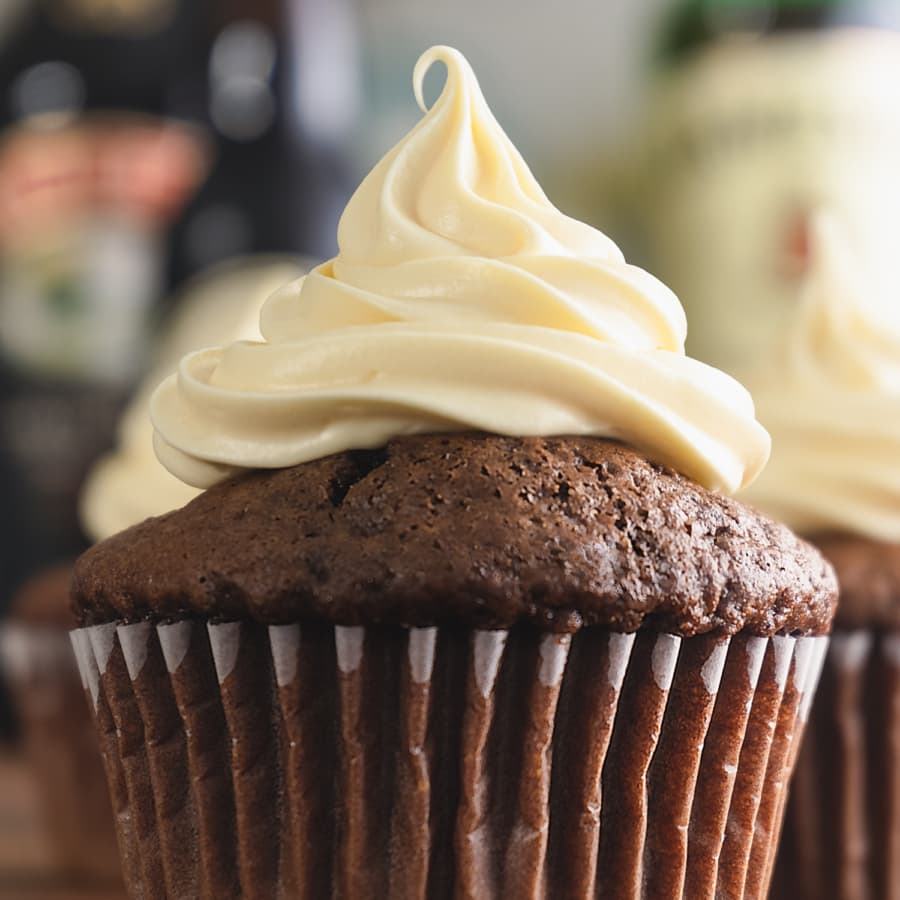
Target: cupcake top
[[461, 299], [467, 529], [830, 395], [128, 485]]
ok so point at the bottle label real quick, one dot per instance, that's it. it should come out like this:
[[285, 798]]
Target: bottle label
[[81, 250], [744, 142]]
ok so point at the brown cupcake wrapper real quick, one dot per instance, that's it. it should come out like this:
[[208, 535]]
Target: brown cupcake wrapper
[[60, 745], [316, 761], [842, 828]]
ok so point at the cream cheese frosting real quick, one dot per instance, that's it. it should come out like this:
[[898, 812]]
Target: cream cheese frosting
[[830, 395], [460, 299], [129, 485]]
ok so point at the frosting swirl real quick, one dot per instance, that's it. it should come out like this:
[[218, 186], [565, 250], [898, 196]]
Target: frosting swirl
[[831, 397], [460, 298]]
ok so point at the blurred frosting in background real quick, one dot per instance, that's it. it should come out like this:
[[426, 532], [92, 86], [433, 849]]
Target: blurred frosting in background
[[579, 67], [829, 393], [129, 484], [759, 113]]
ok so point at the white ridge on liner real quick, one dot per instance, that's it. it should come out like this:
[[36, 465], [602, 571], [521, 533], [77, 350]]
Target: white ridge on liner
[[890, 648], [620, 646], [820, 646], [783, 647], [77, 638], [225, 641], [487, 651], [756, 653], [135, 642], [663, 660], [103, 639], [17, 661], [87, 665], [348, 643], [711, 672], [284, 641], [554, 655], [175, 640], [28, 649], [849, 651], [421, 653], [802, 658]]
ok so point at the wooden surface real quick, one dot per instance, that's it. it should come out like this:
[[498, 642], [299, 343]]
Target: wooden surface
[[26, 860]]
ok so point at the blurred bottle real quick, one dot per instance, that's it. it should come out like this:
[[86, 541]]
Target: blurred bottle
[[760, 113], [91, 174], [276, 87], [142, 141]]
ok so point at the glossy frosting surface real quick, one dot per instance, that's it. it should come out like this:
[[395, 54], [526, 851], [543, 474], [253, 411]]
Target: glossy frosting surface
[[461, 299]]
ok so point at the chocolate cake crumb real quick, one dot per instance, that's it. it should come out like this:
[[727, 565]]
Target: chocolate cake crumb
[[473, 529]]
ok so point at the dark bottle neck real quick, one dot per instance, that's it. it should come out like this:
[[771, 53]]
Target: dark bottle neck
[[702, 22]]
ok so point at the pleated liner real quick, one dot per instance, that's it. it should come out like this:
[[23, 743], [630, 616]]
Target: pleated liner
[[316, 761], [60, 745], [842, 829]]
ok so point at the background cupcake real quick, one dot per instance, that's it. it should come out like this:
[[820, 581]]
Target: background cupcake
[[129, 485], [125, 487], [831, 398], [400, 655], [58, 737]]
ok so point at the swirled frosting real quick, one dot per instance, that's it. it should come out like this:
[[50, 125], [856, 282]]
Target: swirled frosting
[[830, 396], [129, 485], [460, 299]]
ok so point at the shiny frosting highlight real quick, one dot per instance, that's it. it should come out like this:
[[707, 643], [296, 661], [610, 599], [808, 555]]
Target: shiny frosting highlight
[[460, 299], [831, 398]]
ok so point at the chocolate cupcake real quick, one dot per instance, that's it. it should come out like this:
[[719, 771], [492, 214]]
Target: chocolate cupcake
[[58, 734], [831, 397], [463, 611]]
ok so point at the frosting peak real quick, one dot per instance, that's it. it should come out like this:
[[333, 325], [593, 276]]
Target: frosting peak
[[830, 395], [460, 298], [456, 186]]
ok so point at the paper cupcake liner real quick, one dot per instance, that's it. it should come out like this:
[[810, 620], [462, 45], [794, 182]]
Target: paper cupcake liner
[[60, 743], [315, 761], [842, 828]]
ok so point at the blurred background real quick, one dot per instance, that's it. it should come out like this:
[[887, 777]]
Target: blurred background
[[146, 143]]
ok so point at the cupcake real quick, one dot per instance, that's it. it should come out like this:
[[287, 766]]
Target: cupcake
[[464, 611], [58, 734], [831, 397], [125, 487]]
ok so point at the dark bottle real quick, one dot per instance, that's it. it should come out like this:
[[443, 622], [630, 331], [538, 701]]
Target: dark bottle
[[142, 141], [92, 171], [276, 184], [760, 113]]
